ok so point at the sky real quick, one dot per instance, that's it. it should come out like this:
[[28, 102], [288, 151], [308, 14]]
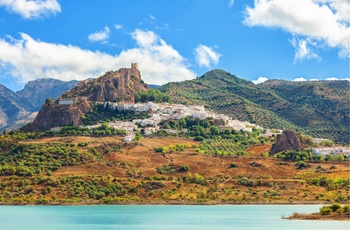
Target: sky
[[174, 40]]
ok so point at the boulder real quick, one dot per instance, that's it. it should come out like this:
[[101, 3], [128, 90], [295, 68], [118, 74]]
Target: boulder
[[288, 140]]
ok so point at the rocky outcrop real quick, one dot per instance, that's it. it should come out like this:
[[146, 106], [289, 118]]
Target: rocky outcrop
[[52, 114], [288, 140], [113, 86]]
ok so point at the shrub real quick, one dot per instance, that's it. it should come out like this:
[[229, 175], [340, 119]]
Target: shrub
[[137, 136], [185, 168], [158, 150], [196, 179], [325, 210], [166, 169], [335, 207], [233, 165], [82, 144], [133, 190], [245, 182], [301, 165], [199, 138]]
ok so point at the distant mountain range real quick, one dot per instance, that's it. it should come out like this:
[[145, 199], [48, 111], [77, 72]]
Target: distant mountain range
[[21, 107], [152, 86], [35, 92], [317, 108]]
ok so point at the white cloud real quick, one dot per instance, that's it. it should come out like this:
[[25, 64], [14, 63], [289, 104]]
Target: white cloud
[[205, 56], [99, 36], [230, 4], [332, 79], [27, 59], [118, 26], [145, 38], [32, 8], [327, 79], [299, 79], [318, 20], [152, 17], [340, 7], [303, 49], [337, 79], [260, 80]]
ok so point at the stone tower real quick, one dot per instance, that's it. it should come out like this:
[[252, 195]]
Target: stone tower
[[135, 65]]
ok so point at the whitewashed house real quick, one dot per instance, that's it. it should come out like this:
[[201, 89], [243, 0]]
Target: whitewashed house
[[55, 129], [318, 140], [129, 137], [200, 115], [272, 132], [137, 121], [66, 102], [172, 131]]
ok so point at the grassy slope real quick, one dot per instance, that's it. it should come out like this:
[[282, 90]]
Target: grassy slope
[[131, 175], [315, 108]]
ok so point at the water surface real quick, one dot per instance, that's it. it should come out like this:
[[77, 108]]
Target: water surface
[[161, 217]]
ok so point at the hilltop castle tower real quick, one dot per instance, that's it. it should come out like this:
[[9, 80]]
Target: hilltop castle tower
[[135, 65]]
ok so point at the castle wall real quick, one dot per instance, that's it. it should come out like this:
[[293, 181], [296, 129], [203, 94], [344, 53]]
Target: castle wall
[[135, 65]]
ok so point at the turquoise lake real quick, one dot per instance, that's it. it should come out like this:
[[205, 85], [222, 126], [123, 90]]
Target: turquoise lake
[[161, 217]]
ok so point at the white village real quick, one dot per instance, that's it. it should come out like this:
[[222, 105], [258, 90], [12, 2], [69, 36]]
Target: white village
[[164, 111]]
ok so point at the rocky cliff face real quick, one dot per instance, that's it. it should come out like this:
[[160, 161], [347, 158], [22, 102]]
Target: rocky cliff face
[[35, 92], [112, 86], [52, 114], [288, 140]]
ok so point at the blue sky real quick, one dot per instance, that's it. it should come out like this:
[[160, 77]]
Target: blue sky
[[174, 40]]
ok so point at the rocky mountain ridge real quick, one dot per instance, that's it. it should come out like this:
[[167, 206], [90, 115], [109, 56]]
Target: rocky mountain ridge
[[35, 92], [12, 110], [113, 86]]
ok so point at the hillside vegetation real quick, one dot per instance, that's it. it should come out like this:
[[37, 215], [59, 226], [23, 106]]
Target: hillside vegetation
[[317, 108], [35, 169]]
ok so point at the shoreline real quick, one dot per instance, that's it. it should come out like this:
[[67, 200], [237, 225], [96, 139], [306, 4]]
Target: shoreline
[[318, 216], [214, 203]]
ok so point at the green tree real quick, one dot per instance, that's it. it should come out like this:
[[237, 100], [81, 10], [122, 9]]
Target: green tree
[[48, 100], [137, 136], [214, 130]]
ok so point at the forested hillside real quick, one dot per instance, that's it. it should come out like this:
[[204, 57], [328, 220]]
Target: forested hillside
[[317, 108]]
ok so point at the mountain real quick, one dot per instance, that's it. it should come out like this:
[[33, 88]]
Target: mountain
[[317, 108], [152, 86], [17, 109], [35, 92], [13, 111], [113, 86]]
